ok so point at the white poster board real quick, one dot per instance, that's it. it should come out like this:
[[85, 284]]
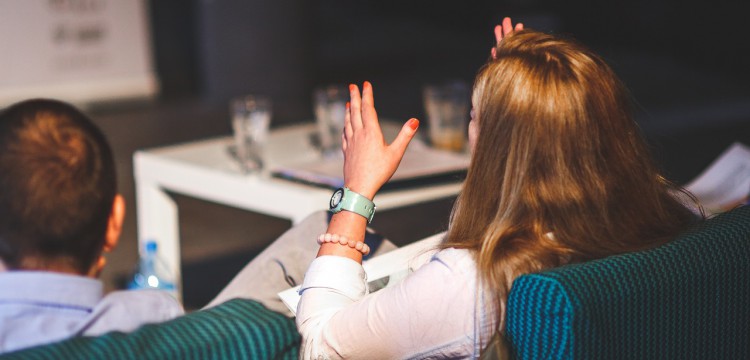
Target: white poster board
[[80, 51]]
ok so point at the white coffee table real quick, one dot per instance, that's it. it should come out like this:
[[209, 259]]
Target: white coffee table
[[205, 170]]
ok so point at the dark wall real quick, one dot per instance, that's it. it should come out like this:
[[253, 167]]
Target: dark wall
[[218, 49], [678, 58], [706, 34], [175, 47]]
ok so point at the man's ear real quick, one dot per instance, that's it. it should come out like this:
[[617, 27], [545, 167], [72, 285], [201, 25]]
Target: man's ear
[[114, 225]]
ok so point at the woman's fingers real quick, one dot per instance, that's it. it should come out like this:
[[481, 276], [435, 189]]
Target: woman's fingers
[[502, 31], [369, 115], [355, 107], [404, 137], [348, 132], [498, 33], [507, 26]]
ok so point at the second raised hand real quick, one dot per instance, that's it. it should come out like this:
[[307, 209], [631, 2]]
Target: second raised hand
[[369, 162], [502, 31]]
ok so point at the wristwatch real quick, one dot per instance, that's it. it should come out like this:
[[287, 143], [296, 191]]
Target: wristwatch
[[345, 199]]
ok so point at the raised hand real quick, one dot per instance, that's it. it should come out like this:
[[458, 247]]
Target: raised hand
[[368, 163], [368, 160], [502, 31]]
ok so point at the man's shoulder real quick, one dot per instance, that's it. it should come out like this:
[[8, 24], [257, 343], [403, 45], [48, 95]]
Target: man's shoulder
[[127, 310], [38, 307], [152, 297]]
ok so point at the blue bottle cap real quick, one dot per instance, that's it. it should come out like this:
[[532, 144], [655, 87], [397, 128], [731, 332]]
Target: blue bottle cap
[[151, 246]]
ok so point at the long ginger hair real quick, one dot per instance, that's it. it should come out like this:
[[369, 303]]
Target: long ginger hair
[[560, 172]]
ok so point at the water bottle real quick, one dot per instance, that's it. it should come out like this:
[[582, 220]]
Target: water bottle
[[152, 272]]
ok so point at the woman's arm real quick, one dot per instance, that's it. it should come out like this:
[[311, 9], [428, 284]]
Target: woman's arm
[[433, 311], [369, 162]]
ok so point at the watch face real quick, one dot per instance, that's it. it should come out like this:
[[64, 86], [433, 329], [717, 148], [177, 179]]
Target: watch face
[[336, 198]]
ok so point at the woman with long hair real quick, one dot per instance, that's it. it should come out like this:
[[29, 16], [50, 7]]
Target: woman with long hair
[[559, 174]]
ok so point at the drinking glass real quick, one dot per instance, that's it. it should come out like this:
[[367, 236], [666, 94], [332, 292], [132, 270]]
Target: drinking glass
[[330, 110], [251, 118], [447, 107]]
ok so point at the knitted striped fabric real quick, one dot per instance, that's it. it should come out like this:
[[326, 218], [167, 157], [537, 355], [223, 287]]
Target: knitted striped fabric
[[237, 329], [688, 299]]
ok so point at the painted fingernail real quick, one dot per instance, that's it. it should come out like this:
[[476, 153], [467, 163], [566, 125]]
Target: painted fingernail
[[413, 123], [348, 104], [352, 87], [367, 84]]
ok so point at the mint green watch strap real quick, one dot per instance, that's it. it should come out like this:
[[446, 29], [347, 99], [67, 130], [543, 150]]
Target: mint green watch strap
[[345, 199]]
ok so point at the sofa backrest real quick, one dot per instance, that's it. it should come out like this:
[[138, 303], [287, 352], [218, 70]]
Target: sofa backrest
[[688, 299], [237, 329]]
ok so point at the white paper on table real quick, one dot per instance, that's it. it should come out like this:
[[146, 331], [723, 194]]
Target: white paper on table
[[726, 182], [384, 270]]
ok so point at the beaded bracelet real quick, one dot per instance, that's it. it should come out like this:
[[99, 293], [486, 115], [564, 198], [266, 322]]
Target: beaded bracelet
[[342, 240]]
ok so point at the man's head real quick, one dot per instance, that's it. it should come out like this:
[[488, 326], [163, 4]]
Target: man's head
[[59, 208]]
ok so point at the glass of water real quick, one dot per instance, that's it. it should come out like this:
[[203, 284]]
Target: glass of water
[[251, 119], [330, 111]]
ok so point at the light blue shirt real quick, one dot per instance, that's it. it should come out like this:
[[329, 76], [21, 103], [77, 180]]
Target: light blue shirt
[[38, 307]]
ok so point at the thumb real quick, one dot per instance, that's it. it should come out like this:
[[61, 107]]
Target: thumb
[[405, 135]]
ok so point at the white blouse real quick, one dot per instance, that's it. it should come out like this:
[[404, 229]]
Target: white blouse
[[436, 312]]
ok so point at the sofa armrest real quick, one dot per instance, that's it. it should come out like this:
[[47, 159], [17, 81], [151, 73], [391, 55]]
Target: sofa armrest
[[237, 329]]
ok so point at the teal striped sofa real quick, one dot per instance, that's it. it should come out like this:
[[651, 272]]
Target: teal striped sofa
[[689, 299]]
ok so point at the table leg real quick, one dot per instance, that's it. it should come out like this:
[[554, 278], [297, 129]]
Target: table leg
[[158, 221]]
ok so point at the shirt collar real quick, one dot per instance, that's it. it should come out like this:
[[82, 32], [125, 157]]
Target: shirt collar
[[50, 288]]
